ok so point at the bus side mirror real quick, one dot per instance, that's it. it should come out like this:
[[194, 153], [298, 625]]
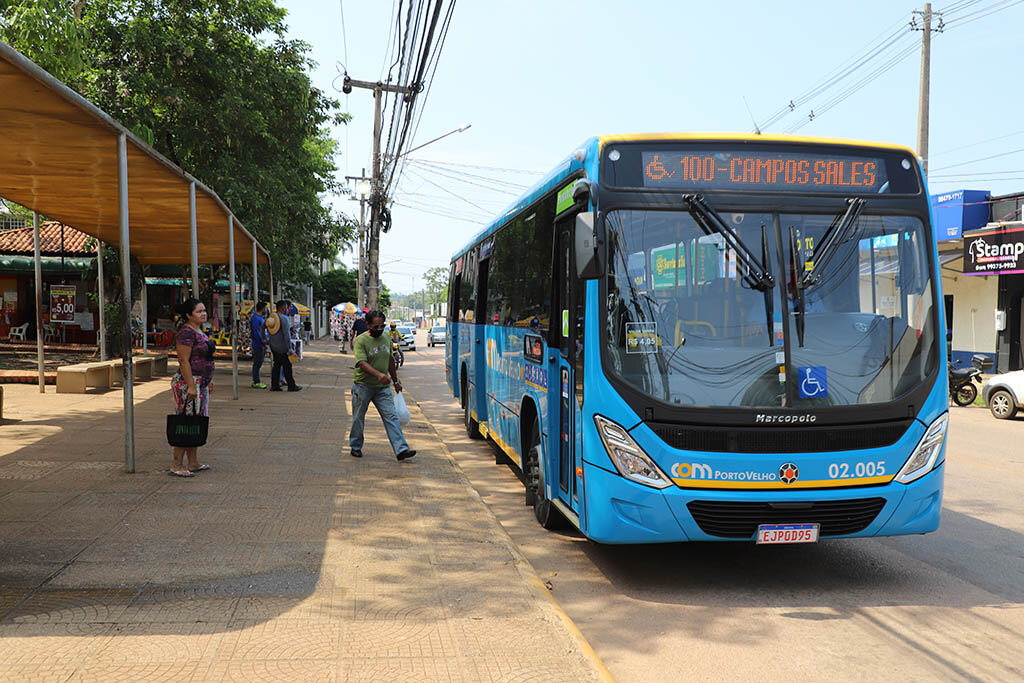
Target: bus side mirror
[[587, 263]]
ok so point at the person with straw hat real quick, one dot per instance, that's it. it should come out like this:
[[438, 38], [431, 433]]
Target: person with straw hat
[[278, 327]]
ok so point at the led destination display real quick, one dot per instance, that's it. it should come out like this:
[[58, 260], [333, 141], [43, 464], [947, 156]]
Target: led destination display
[[716, 170]]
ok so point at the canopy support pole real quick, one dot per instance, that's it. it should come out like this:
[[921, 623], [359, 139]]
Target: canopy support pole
[[39, 302], [126, 311], [145, 316], [234, 307], [193, 237], [255, 278], [101, 334]]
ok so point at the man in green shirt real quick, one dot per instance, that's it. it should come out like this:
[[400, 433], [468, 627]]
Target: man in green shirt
[[375, 371]]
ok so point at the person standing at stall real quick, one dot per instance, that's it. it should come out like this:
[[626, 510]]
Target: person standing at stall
[[279, 327], [192, 384], [259, 347]]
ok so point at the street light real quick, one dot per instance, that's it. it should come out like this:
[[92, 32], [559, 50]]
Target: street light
[[451, 132], [362, 188]]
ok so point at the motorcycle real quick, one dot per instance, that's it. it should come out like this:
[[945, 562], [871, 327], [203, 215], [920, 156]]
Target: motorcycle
[[962, 387], [396, 353]]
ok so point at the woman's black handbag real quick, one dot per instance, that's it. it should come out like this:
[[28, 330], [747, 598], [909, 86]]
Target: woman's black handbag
[[187, 431]]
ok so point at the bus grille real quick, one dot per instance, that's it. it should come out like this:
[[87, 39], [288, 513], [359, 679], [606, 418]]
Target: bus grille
[[740, 519], [780, 439]]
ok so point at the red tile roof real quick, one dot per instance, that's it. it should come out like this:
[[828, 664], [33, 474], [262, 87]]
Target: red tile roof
[[19, 241]]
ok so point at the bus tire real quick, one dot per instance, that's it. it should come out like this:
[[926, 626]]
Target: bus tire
[[472, 426], [546, 513]]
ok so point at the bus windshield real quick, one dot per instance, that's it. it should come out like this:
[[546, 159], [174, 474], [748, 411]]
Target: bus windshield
[[683, 325]]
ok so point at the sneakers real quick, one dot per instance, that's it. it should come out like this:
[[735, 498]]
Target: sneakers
[[295, 388], [405, 454], [259, 385], [355, 453]]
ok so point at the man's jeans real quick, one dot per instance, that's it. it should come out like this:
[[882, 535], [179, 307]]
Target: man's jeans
[[381, 397], [258, 354], [282, 366]]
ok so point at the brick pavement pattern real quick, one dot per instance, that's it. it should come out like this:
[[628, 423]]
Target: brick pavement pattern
[[288, 561]]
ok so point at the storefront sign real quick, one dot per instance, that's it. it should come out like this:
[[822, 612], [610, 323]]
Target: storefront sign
[[954, 213], [62, 303], [999, 252]]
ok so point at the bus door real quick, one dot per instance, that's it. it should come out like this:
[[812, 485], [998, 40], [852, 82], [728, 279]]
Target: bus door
[[479, 371], [563, 407]]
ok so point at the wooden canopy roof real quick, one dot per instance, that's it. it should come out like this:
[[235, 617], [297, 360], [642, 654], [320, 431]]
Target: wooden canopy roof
[[58, 156]]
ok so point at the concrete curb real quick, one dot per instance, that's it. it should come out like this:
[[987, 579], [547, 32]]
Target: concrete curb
[[524, 567]]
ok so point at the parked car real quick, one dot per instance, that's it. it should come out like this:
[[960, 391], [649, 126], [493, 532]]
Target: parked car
[[437, 335], [1004, 394], [408, 342]]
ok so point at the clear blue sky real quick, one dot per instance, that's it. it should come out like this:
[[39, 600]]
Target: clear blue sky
[[536, 78]]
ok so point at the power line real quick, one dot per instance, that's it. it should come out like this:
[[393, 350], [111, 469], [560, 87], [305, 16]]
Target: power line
[[445, 189], [973, 161], [983, 12], [980, 142]]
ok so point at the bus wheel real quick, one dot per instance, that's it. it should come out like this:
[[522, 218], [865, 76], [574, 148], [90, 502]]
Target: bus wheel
[[543, 510], [472, 426]]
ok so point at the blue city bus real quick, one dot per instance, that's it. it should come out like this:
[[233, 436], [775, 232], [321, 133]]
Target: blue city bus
[[699, 337]]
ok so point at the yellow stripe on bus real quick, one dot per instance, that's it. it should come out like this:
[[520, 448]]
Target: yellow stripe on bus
[[747, 137], [809, 484], [493, 436]]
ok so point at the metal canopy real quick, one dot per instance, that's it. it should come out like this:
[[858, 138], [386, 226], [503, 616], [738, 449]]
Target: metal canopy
[[58, 156]]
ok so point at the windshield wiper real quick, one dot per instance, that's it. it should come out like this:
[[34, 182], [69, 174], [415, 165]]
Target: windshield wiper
[[826, 249], [710, 221]]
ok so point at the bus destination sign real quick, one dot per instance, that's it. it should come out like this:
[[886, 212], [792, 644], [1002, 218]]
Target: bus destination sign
[[768, 171]]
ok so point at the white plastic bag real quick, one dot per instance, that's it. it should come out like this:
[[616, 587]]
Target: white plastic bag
[[403, 410]]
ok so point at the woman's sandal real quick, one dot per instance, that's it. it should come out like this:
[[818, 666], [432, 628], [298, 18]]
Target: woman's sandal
[[201, 468], [180, 473]]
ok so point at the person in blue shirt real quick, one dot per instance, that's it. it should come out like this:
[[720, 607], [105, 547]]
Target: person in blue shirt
[[259, 348]]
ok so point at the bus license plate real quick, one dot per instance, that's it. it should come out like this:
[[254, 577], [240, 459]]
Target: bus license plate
[[787, 533]]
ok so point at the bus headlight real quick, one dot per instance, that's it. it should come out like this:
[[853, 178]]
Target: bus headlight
[[628, 457], [922, 460]]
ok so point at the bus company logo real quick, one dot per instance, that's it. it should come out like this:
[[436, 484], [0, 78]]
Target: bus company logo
[[688, 470], [789, 473], [806, 418]]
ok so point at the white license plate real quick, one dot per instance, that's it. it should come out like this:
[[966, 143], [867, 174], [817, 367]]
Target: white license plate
[[787, 533]]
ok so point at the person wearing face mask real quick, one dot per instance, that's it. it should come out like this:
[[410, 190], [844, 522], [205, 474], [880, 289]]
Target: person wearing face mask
[[375, 372]]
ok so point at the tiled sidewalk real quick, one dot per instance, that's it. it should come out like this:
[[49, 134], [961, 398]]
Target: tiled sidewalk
[[289, 560]]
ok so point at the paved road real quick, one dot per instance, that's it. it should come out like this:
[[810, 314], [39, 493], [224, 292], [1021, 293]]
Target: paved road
[[949, 605]]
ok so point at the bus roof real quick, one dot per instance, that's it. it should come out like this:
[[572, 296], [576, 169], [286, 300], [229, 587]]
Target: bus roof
[[572, 164]]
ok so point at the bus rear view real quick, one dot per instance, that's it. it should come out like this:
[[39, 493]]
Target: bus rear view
[[746, 344]]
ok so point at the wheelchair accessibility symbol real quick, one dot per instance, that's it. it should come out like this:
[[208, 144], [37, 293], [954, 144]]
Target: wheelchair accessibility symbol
[[813, 382]]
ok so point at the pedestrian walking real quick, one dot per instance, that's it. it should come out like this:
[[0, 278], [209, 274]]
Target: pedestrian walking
[[360, 325], [279, 328], [259, 346], [374, 374], [192, 384], [307, 330]]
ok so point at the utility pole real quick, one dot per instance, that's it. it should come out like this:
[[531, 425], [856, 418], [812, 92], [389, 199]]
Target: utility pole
[[926, 63], [377, 197], [361, 277]]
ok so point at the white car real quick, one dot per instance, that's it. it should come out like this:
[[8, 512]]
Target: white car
[[408, 342], [1004, 394], [437, 335]]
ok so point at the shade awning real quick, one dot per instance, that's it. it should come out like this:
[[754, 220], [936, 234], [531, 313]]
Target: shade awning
[[58, 156]]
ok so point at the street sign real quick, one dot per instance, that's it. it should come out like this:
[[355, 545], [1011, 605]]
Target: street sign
[[62, 303]]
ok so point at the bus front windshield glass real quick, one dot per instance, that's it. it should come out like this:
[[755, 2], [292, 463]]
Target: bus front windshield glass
[[684, 325]]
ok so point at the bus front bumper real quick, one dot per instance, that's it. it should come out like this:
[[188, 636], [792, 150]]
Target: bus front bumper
[[622, 511]]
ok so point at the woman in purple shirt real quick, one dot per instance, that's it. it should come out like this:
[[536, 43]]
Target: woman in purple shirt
[[192, 384]]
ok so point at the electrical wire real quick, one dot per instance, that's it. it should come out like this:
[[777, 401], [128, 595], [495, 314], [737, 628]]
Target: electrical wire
[[980, 142], [445, 189], [453, 172], [982, 13], [973, 161], [873, 49], [485, 168]]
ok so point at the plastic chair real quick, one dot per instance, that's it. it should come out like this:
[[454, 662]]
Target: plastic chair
[[19, 332]]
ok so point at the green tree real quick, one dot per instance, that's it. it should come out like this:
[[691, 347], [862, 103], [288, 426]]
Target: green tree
[[436, 285], [216, 87], [336, 286]]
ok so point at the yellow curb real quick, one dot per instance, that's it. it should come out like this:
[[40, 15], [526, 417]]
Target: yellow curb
[[525, 568]]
